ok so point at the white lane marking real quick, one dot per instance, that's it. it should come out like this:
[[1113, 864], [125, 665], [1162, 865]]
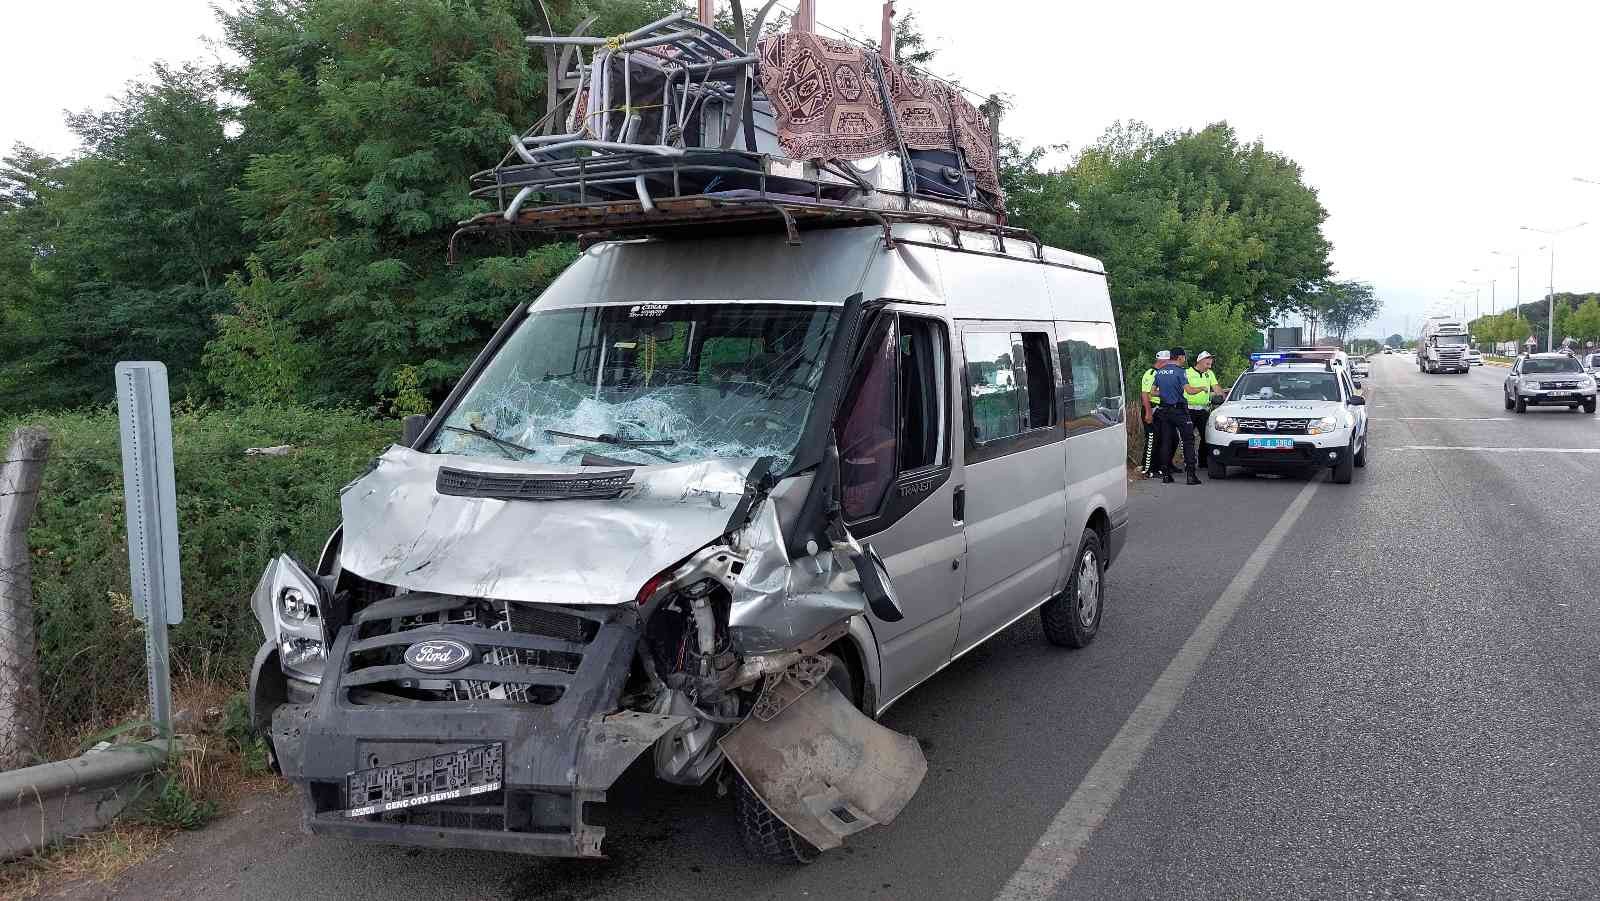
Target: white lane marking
[[1061, 846], [1499, 450], [1442, 419]]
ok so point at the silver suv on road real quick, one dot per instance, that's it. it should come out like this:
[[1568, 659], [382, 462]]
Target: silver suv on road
[[1549, 380]]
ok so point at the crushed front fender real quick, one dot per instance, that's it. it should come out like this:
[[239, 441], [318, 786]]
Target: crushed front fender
[[825, 768]]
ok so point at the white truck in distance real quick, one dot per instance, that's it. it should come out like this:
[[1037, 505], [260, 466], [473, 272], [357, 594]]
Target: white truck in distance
[[1443, 346]]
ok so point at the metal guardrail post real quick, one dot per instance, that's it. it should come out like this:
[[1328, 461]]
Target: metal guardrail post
[[145, 415]]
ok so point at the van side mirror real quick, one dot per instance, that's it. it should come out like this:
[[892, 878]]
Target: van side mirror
[[412, 427]]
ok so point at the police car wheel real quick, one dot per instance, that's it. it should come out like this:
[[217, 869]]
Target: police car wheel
[[1216, 470], [1361, 457], [1345, 470], [1071, 619]]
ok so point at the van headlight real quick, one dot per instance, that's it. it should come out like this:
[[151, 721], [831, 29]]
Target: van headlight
[[1225, 423], [1323, 426], [1586, 382], [288, 605], [1528, 385]]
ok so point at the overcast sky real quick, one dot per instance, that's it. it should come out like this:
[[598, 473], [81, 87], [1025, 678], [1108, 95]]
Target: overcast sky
[[1432, 131]]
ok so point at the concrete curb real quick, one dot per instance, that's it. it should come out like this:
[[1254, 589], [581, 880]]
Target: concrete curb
[[45, 803]]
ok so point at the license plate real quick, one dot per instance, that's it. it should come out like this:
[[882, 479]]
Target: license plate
[[426, 780], [1559, 395], [1272, 444]]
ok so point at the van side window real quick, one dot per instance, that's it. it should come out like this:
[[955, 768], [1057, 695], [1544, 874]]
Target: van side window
[[1092, 368], [1010, 383], [866, 433], [923, 373]]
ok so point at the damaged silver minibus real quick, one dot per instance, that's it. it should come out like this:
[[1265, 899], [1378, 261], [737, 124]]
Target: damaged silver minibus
[[712, 502]]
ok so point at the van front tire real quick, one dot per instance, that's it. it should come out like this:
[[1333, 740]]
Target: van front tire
[[766, 836], [1071, 619]]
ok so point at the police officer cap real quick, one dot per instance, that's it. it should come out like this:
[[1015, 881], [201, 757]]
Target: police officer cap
[[1178, 352], [1163, 355]]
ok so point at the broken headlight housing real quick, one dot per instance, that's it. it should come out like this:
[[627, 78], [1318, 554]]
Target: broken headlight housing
[[288, 605]]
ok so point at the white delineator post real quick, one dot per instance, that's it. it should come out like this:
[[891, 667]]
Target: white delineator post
[[144, 413], [21, 472]]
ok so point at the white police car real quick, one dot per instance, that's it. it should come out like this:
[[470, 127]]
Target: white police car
[[1291, 409]]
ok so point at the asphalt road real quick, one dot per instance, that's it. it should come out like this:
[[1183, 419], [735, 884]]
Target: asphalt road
[[1395, 693]]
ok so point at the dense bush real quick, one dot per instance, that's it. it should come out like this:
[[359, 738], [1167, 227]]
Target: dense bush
[[234, 514]]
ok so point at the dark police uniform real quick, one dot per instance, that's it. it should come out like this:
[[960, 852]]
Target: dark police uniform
[[1173, 419]]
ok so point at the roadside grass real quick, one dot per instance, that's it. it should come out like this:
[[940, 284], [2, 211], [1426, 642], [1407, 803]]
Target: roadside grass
[[235, 513], [221, 763], [95, 858]]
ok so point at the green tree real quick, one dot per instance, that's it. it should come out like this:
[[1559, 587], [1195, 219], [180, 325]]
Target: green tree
[[123, 251], [1222, 329], [1181, 220], [1341, 306], [1395, 341], [1584, 322], [367, 118]]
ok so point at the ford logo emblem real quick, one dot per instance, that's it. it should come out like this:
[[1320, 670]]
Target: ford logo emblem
[[439, 655]]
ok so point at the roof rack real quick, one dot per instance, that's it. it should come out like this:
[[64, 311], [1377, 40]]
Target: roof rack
[[668, 125], [723, 212]]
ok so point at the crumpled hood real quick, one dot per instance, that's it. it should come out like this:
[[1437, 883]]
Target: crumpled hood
[[399, 530]]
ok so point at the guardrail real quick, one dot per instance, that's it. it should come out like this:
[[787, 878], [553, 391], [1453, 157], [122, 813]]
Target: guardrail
[[42, 804]]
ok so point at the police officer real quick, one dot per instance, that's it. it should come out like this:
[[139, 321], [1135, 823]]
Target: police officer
[[1172, 386], [1201, 376], [1149, 400]]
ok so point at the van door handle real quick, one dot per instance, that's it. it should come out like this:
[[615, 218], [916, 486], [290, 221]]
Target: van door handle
[[958, 504]]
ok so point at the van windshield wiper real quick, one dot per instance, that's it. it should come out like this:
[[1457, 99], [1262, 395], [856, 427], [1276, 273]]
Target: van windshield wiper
[[616, 441], [505, 446], [612, 439]]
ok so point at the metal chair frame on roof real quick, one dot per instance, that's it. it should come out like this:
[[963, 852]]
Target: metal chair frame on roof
[[554, 178]]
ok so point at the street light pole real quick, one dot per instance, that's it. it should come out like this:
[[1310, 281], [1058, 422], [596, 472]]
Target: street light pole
[[1553, 233]]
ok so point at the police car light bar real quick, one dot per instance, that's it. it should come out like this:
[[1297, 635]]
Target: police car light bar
[[1273, 358]]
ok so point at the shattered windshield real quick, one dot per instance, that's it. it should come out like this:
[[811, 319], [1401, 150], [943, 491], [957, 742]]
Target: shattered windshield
[[646, 383], [1287, 386]]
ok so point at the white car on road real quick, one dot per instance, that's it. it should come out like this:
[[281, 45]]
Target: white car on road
[[1290, 410], [1549, 380]]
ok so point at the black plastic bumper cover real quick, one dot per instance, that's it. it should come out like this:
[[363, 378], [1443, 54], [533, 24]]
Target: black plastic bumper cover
[[1238, 453], [558, 757]]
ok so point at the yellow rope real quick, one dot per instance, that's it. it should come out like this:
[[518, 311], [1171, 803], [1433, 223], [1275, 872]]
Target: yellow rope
[[614, 43]]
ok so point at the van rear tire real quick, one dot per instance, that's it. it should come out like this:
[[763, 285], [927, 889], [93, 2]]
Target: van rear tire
[[1216, 471], [1071, 619]]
